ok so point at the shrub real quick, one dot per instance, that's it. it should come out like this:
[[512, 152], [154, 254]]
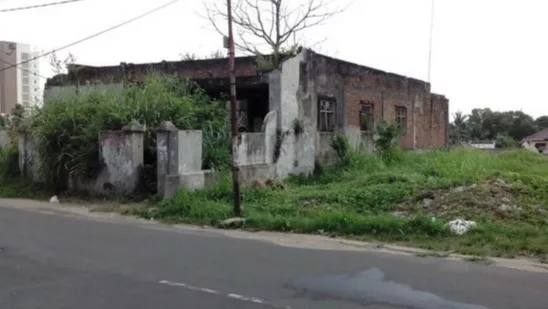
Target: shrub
[[505, 141], [386, 139], [9, 162], [340, 144]]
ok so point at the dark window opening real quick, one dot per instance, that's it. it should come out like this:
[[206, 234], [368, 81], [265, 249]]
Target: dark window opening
[[252, 105], [326, 114], [541, 147], [367, 120], [401, 116]]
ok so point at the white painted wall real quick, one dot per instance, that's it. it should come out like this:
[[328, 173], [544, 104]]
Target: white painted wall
[[297, 153], [490, 145]]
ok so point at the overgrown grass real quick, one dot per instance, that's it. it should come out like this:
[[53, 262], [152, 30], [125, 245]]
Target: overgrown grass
[[11, 184], [363, 199]]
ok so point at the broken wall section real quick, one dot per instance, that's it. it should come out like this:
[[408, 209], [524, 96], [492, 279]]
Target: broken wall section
[[179, 160], [5, 139], [121, 173]]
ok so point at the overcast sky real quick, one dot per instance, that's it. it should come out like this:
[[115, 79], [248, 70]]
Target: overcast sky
[[486, 53]]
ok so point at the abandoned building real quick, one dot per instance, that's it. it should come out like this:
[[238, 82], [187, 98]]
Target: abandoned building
[[311, 93]]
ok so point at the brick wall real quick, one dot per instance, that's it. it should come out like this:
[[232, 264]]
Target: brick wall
[[426, 113]]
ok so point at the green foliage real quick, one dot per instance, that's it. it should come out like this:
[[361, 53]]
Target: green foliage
[[360, 200], [542, 122], [340, 144], [272, 61], [505, 141], [17, 115], [386, 139], [9, 162], [189, 56], [66, 129], [485, 124], [458, 129], [11, 184]]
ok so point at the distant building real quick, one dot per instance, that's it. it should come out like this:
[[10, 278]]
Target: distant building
[[21, 84], [537, 142]]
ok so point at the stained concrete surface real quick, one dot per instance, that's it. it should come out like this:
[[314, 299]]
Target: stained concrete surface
[[54, 261]]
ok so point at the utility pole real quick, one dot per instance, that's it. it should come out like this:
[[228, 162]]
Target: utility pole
[[431, 38], [233, 116]]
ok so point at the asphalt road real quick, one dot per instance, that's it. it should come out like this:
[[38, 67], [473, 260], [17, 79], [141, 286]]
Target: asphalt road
[[51, 261]]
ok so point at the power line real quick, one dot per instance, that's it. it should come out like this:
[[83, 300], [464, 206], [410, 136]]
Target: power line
[[36, 6], [93, 35], [23, 69]]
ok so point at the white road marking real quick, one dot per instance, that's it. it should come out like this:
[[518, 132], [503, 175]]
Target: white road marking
[[229, 295], [245, 298], [190, 287]]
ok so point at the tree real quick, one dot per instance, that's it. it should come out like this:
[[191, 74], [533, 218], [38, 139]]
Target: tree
[[192, 56], [273, 24], [60, 66], [542, 122], [485, 124], [459, 127], [521, 124], [478, 122]]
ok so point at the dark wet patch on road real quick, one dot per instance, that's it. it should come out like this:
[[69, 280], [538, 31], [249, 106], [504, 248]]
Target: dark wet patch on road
[[371, 288]]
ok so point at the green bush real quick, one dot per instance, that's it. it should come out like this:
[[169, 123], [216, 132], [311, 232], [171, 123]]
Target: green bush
[[386, 139], [505, 141], [9, 163], [66, 129], [340, 144]]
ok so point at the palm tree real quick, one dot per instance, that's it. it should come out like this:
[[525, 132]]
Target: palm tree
[[459, 123]]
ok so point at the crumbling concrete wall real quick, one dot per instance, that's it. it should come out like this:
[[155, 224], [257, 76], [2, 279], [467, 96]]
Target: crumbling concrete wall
[[252, 148], [324, 153], [256, 152], [29, 159], [296, 124], [260, 173], [179, 160], [5, 139], [121, 154]]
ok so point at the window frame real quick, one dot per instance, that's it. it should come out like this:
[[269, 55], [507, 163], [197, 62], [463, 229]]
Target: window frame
[[399, 117], [324, 113], [371, 106]]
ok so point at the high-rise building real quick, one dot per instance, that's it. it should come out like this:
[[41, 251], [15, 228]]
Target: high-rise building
[[19, 84]]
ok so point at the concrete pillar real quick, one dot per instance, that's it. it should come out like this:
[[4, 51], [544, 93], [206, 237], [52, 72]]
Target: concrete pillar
[[5, 139], [28, 157], [122, 153], [165, 166], [178, 153]]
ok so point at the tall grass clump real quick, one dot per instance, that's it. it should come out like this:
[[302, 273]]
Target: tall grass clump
[[340, 144], [386, 139], [66, 129], [9, 163]]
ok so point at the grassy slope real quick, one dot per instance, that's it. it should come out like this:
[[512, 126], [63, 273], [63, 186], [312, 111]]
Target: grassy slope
[[395, 202]]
